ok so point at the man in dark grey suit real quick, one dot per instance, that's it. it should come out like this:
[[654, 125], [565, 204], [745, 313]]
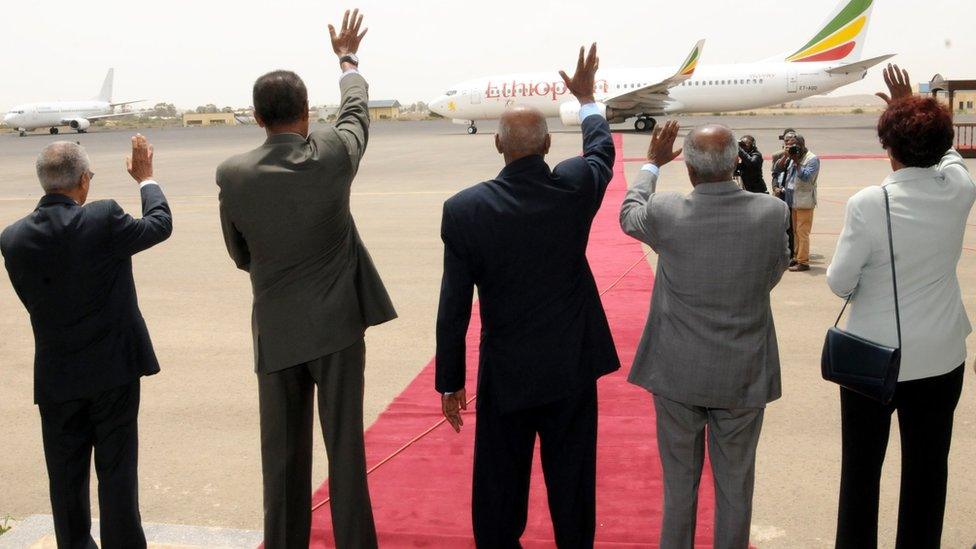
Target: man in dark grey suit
[[709, 350], [71, 265], [284, 208]]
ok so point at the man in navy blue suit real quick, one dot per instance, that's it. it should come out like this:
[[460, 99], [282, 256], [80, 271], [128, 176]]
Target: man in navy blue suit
[[521, 239], [71, 266]]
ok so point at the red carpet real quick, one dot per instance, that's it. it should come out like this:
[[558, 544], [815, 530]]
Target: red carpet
[[422, 497]]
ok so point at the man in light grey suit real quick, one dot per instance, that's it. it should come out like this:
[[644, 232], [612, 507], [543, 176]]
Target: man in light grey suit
[[284, 208], [708, 353]]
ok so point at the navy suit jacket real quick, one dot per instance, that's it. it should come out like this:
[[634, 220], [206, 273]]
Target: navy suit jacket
[[71, 266], [521, 239]]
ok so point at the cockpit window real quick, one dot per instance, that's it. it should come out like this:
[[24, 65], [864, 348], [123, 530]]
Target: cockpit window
[[452, 92], [16, 112]]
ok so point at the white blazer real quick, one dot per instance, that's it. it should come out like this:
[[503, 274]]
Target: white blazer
[[929, 209]]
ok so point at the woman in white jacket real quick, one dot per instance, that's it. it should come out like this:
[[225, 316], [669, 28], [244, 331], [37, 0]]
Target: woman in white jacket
[[931, 193]]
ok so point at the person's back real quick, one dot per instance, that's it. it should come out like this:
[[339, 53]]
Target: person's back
[[929, 211], [718, 254], [315, 286], [527, 232], [71, 266]]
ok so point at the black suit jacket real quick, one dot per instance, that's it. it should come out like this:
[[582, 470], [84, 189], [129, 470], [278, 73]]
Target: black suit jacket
[[521, 239], [71, 266]]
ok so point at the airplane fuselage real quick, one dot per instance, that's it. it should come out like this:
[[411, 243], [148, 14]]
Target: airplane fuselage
[[31, 116], [712, 88]]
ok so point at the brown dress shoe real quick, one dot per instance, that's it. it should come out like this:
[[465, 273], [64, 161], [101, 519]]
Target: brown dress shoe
[[799, 267]]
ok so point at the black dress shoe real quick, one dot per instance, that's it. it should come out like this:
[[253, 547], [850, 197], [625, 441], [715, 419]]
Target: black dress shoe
[[800, 267], [792, 263]]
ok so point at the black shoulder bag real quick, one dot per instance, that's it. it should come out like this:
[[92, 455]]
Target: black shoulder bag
[[858, 364]]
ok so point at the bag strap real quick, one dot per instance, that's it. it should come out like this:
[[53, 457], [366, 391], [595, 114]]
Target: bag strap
[[891, 250], [894, 282]]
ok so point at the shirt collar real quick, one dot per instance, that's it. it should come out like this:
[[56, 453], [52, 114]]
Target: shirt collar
[[911, 174], [54, 198], [721, 187]]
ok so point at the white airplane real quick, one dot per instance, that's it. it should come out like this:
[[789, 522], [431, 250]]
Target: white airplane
[[829, 60], [78, 115]]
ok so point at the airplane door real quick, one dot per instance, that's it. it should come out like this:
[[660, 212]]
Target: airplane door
[[791, 83], [475, 97]]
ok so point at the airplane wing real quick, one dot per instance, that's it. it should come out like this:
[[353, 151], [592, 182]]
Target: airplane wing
[[653, 98], [126, 103], [67, 121], [860, 66]]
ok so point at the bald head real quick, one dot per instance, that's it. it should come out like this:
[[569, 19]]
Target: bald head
[[522, 131], [710, 154]]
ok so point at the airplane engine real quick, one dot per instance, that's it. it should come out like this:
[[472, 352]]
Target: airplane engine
[[79, 124], [569, 112]]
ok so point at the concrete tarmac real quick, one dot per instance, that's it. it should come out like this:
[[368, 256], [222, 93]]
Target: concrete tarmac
[[200, 454]]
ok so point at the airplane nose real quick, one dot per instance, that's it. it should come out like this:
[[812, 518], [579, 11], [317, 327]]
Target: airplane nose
[[437, 106]]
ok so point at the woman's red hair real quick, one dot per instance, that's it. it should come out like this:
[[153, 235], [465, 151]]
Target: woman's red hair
[[917, 131]]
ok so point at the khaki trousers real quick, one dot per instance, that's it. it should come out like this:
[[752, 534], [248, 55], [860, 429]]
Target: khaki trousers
[[802, 224]]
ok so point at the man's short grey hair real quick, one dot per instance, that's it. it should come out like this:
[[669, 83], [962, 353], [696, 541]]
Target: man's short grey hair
[[523, 137], [708, 163], [61, 165]]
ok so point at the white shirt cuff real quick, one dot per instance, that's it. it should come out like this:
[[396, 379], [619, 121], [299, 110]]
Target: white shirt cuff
[[348, 72], [588, 110], [148, 182], [651, 168]]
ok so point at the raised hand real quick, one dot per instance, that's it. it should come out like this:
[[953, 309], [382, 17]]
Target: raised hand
[[661, 150], [140, 164], [582, 84], [899, 85], [452, 405], [348, 39]]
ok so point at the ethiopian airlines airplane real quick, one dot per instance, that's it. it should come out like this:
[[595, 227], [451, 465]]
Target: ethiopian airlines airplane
[[829, 60], [75, 114]]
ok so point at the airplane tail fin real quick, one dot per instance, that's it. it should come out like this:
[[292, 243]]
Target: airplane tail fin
[[106, 93], [691, 62], [840, 38]]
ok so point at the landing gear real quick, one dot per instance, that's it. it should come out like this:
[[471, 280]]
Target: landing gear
[[82, 131], [54, 131], [22, 132], [645, 124], [472, 129]]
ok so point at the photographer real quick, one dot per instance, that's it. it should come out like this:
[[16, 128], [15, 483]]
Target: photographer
[[778, 180], [749, 168], [799, 168]]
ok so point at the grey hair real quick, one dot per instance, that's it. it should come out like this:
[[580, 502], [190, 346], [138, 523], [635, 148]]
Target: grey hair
[[523, 138], [61, 165], [711, 164]]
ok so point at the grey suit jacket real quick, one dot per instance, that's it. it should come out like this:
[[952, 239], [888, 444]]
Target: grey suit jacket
[[709, 340], [284, 209]]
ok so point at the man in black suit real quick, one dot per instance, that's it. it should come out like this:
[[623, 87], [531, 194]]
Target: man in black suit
[[521, 239], [71, 266], [284, 207]]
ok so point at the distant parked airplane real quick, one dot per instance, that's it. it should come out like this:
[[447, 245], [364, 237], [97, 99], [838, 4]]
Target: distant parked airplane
[[829, 60], [77, 115]]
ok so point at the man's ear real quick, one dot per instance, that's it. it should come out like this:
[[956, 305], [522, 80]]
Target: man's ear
[[548, 144], [691, 174], [498, 144], [259, 120]]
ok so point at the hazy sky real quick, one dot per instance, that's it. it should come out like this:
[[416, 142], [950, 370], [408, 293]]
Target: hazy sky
[[210, 51]]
